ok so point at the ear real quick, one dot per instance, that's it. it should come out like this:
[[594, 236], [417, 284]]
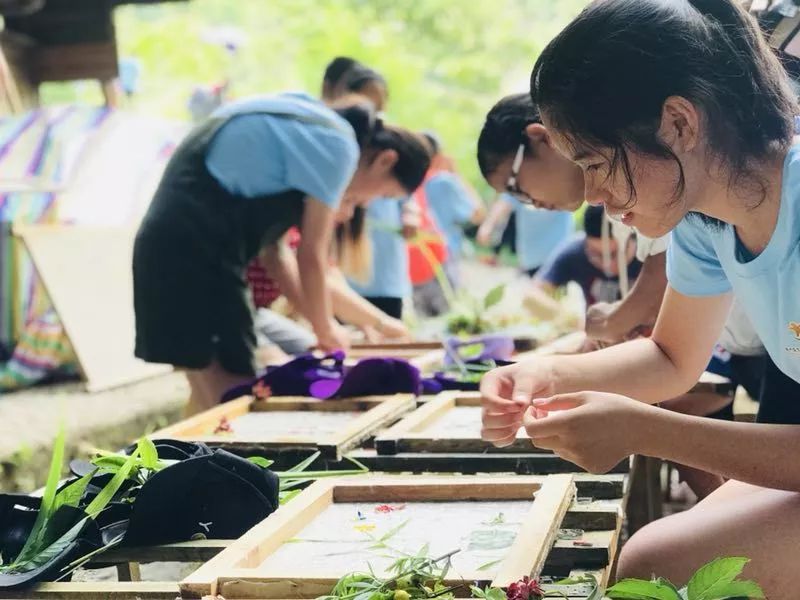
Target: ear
[[680, 124], [386, 159], [537, 134]]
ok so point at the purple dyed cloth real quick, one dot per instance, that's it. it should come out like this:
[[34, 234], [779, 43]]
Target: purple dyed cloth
[[328, 377]]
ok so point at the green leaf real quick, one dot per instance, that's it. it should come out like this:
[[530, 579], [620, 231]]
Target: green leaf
[[489, 565], [715, 574], [112, 487], [494, 296], [261, 461], [736, 589], [48, 499], [392, 532], [302, 466], [45, 554], [148, 452], [72, 494], [638, 589], [495, 594]]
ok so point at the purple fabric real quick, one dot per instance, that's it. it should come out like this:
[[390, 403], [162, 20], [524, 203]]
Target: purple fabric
[[327, 378], [493, 347]]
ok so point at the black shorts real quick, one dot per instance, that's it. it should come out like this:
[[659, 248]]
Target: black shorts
[[779, 400], [188, 311], [391, 306]]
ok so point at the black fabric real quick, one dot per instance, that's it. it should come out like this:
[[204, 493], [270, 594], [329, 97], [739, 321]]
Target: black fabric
[[190, 293], [748, 372], [217, 495], [391, 306], [779, 400], [208, 492], [17, 517]]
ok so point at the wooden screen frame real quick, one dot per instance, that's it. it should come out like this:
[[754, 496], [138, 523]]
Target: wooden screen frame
[[378, 412], [405, 435], [233, 572]]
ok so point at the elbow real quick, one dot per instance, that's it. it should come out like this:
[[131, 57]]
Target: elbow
[[685, 374]]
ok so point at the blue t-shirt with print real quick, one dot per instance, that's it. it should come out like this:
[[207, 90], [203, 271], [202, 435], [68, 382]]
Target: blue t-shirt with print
[[451, 206], [703, 260], [539, 232], [258, 154], [570, 263], [389, 257]]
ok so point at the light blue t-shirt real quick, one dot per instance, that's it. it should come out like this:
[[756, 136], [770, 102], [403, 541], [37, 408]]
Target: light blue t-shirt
[[256, 154], [390, 277], [702, 261], [539, 232], [451, 206]]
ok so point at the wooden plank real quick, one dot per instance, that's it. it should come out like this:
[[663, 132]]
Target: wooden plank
[[470, 463], [200, 424], [538, 532], [266, 537], [87, 274], [593, 549], [99, 590], [404, 488]]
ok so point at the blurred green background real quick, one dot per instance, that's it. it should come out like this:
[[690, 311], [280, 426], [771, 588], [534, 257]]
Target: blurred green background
[[446, 61]]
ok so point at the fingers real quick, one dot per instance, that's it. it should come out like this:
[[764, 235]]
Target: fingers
[[559, 402], [494, 386]]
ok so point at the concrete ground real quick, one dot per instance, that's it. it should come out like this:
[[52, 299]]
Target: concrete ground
[[29, 422]]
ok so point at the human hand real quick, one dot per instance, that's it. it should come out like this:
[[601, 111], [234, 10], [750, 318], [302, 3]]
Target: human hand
[[603, 327], [594, 430], [506, 394], [335, 337], [394, 329], [484, 236]]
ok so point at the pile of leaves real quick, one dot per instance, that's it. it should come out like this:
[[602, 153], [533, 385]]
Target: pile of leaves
[[419, 577], [468, 315]]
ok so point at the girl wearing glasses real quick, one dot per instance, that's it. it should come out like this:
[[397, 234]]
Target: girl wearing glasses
[[693, 136]]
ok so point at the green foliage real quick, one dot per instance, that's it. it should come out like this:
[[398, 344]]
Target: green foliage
[[494, 296], [446, 62], [718, 580]]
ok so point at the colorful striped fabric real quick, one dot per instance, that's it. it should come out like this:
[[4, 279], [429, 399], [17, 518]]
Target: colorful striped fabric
[[41, 154]]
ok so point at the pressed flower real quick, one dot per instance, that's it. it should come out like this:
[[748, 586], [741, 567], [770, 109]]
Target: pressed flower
[[261, 391], [387, 508], [525, 589], [224, 426]]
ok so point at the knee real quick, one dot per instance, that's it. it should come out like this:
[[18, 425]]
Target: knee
[[652, 551]]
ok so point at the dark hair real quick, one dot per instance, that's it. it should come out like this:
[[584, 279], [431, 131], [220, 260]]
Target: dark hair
[[352, 247], [504, 131], [433, 140], [593, 221], [352, 74], [603, 80], [413, 158]]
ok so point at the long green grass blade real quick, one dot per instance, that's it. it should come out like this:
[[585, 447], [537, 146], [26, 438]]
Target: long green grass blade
[[48, 499], [72, 494], [45, 554], [112, 487]]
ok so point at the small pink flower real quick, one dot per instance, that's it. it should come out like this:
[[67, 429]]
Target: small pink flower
[[387, 508], [525, 589], [261, 391], [224, 426]]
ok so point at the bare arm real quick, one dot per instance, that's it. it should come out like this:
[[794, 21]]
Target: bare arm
[[615, 322], [658, 368], [350, 307], [281, 264], [765, 455], [498, 213], [312, 262]]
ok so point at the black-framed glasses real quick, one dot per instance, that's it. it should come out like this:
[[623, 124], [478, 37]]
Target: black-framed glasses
[[512, 185]]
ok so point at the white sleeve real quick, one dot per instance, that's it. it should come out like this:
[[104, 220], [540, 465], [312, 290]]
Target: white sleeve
[[646, 246]]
